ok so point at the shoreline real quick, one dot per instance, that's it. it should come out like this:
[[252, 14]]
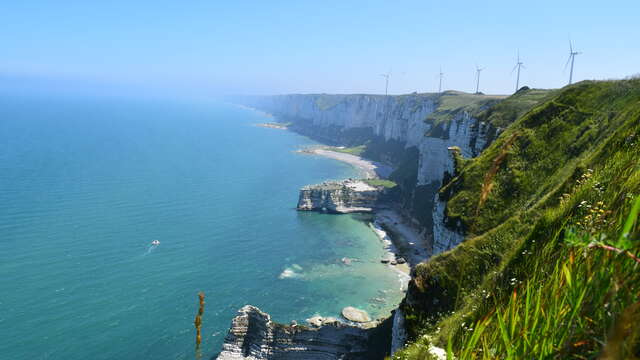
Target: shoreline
[[279, 126], [370, 169], [398, 238], [407, 241], [245, 107]]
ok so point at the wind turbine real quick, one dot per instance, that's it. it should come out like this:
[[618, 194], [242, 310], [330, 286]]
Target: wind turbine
[[572, 57], [519, 64], [478, 70], [386, 85], [440, 85]]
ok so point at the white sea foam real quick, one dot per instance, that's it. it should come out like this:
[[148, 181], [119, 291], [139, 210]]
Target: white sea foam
[[290, 272]]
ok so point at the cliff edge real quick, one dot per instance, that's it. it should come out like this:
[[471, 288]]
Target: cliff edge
[[339, 197], [253, 336]]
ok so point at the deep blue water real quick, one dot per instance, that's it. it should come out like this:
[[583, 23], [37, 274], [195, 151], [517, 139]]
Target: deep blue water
[[87, 183]]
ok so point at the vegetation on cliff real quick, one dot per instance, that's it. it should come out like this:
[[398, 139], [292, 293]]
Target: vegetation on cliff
[[548, 268], [510, 109], [387, 184], [354, 150], [452, 103]]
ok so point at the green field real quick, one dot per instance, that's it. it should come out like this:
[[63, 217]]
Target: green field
[[381, 182], [356, 150]]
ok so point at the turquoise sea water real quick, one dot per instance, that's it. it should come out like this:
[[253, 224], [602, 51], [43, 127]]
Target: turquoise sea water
[[87, 183]]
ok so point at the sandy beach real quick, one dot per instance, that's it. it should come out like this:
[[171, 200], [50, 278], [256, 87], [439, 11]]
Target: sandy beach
[[408, 241], [400, 238], [370, 169], [279, 126]]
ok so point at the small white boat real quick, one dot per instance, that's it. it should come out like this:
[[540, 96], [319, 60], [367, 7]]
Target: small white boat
[[155, 242]]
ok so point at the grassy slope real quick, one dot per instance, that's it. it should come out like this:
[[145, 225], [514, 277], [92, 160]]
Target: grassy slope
[[507, 111], [508, 200], [381, 182], [354, 150], [452, 103]]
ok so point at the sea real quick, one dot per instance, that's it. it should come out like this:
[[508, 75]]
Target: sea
[[87, 183]]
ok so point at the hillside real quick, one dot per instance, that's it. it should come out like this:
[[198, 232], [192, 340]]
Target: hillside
[[525, 203], [547, 267]]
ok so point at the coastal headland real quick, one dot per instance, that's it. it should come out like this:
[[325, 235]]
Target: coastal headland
[[273, 125], [400, 145], [403, 242]]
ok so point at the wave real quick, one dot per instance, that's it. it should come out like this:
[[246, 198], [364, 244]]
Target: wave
[[291, 272]]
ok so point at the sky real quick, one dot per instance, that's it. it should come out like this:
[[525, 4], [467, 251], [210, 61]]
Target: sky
[[273, 47]]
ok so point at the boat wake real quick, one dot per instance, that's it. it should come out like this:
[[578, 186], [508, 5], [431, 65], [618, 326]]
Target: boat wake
[[151, 247]]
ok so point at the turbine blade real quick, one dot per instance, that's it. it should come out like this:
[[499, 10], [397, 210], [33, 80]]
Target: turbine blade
[[514, 68], [570, 46], [567, 63]]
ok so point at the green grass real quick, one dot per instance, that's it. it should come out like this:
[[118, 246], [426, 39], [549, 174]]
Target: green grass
[[388, 184], [506, 112], [355, 150], [454, 100], [560, 311], [549, 142], [454, 103], [567, 171]]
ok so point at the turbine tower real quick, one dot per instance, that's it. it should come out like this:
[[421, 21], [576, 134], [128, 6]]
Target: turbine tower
[[386, 85], [572, 57], [519, 65], [478, 70], [440, 85]]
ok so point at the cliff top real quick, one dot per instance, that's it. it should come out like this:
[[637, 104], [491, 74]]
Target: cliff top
[[541, 209], [353, 184]]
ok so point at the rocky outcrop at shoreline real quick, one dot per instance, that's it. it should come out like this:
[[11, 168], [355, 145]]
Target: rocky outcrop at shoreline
[[416, 134], [253, 336], [428, 123], [339, 197]]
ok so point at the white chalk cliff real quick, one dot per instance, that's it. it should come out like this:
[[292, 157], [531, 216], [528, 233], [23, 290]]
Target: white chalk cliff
[[339, 197], [405, 119]]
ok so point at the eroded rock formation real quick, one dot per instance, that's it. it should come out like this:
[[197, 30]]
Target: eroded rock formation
[[253, 336], [407, 120], [415, 120], [339, 197]]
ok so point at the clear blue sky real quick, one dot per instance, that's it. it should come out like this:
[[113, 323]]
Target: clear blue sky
[[300, 46]]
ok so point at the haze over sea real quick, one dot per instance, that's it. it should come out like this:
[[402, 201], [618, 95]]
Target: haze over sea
[[87, 183]]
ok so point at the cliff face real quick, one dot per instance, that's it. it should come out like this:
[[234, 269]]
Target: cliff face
[[428, 122], [522, 202], [394, 117], [339, 197], [253, 336], [424, 124]]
